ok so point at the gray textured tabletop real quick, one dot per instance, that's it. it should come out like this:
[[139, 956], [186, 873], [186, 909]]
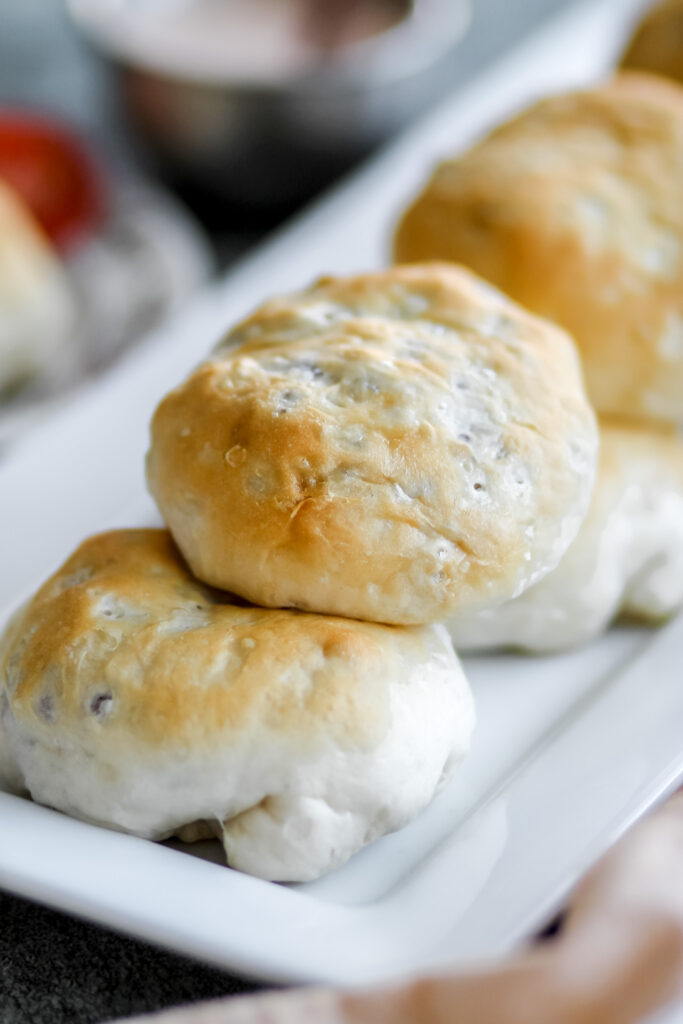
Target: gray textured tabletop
[[54, 968]]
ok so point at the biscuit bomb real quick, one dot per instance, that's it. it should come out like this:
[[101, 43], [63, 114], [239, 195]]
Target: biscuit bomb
[[38, 315], [627, 557], [657, 43], [397, 446], [135, 697], [575, 209]]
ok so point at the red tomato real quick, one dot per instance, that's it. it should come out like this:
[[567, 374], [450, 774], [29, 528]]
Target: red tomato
[[53, 174]]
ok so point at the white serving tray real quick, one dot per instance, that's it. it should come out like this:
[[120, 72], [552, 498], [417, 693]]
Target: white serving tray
[[569, 750]]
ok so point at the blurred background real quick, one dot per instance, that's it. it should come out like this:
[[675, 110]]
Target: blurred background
[[203, 91], [145, 144]]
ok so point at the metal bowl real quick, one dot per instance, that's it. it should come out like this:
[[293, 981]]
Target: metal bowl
[[272, 141]]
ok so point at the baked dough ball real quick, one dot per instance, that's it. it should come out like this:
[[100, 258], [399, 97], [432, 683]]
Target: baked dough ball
[[657, 44], [628, 556], [10, 777], [37, 308], [575, 209], [393, 447], [142, 700]]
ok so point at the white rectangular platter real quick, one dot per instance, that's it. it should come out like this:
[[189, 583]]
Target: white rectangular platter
[[569, 750]]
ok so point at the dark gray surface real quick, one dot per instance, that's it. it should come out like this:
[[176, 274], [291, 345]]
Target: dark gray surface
[[54, 969]]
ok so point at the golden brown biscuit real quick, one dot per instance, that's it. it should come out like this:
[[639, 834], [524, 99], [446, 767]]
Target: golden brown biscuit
[[657, 44], [10, 777], [37, 308], [392, 447], [575, 209], [627, 557], [135, 697]]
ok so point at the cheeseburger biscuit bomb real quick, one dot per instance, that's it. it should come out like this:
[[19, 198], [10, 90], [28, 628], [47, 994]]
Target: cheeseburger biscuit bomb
[[397, 447], [575, 209], [628, 556], [10, 778], [137, 698], [38, 316], [657, 44]]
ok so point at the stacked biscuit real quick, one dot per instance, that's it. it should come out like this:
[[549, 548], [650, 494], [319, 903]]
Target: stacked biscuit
[[358, 461], [575, 209], [657, 43], [355, 463]]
